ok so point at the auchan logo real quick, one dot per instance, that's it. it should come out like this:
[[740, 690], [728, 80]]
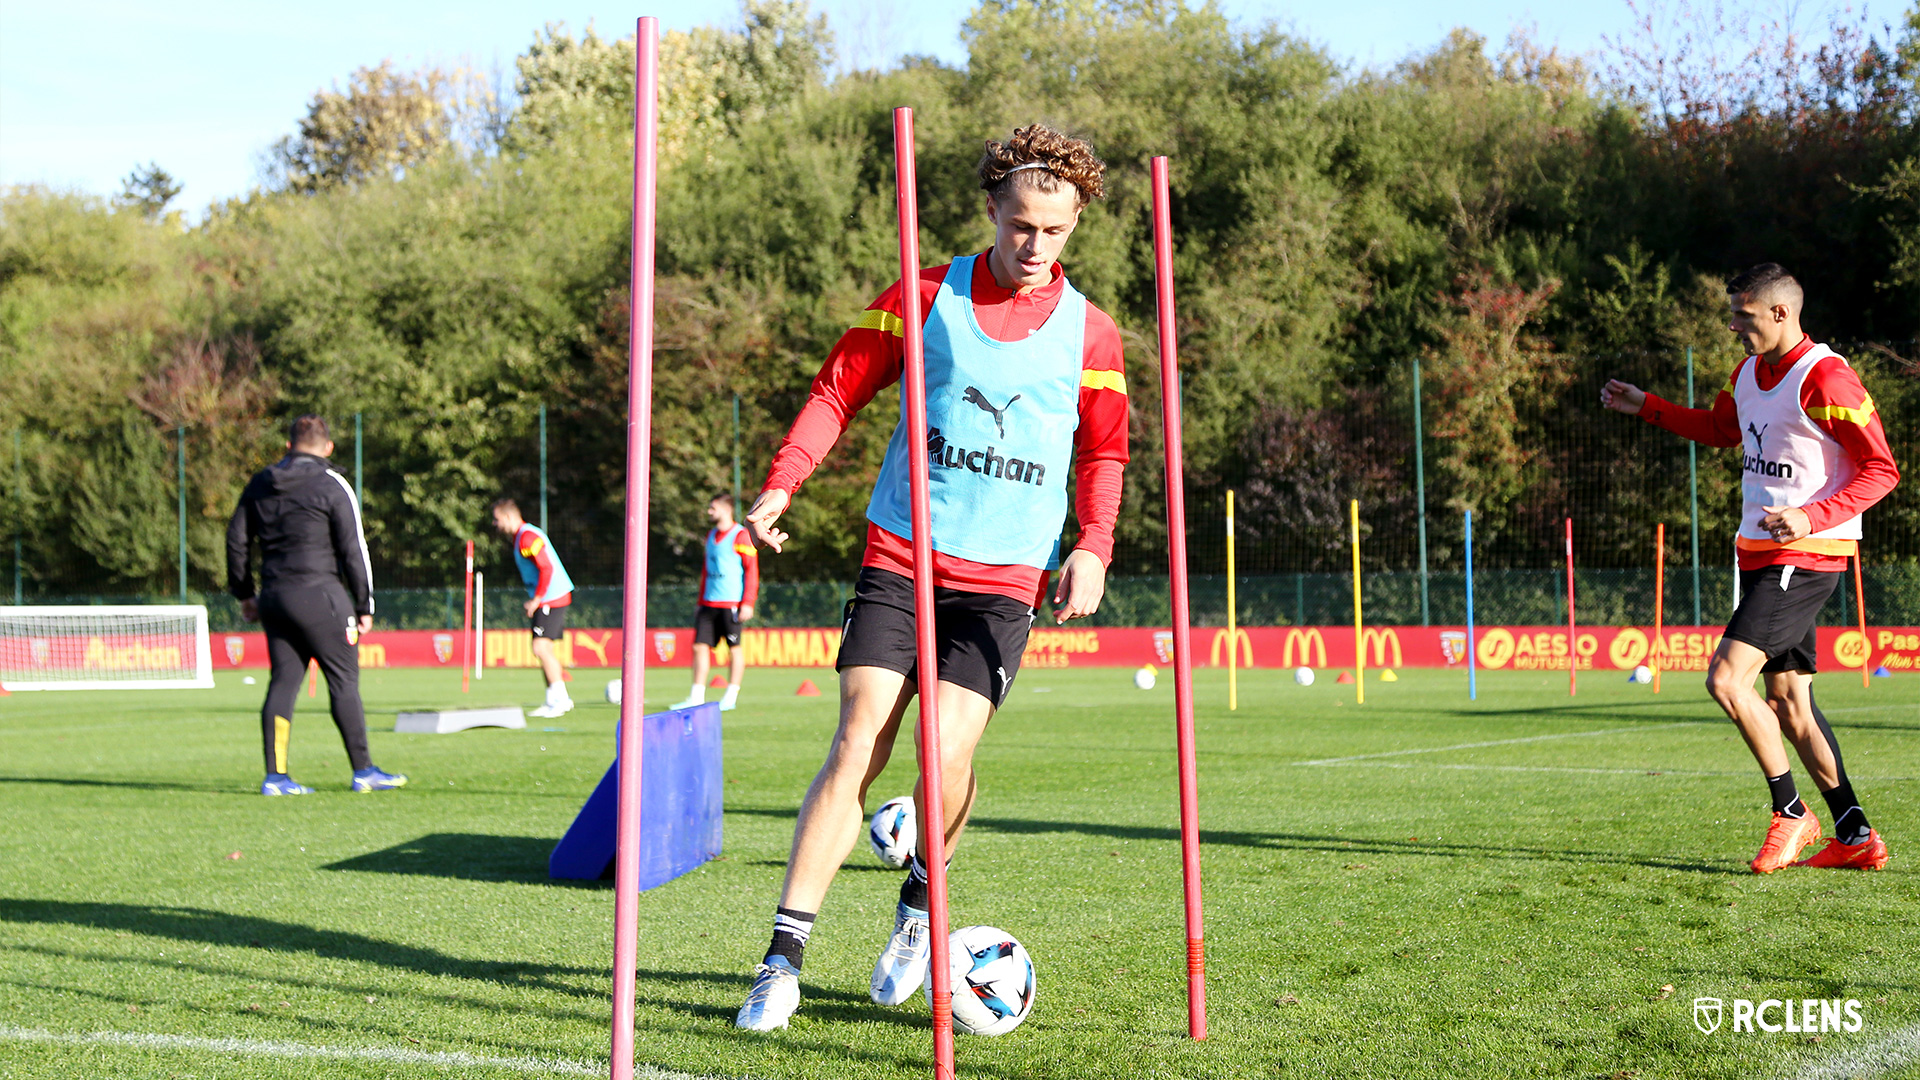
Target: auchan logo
[[1241, 643], [1380, 641]]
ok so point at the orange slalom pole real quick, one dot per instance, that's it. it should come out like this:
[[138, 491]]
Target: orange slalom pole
[[1659, 597], [633, 606], [933, 816], [313, 678], [1573, 652], [466, 626], [1860, 606], [1182, 630]]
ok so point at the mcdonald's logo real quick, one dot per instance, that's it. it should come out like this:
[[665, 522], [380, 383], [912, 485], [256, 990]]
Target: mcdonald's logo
[[1313, 648], [1241, 643], [1380, 640]]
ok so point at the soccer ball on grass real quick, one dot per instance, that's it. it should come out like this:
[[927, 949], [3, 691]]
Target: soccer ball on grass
[[992, 981], [1303, 676]]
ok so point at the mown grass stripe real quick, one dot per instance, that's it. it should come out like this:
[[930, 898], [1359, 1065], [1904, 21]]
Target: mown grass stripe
[[1501, 742]]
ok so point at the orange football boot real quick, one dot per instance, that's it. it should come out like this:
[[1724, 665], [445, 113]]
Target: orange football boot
[[1868, 854], [1785, 838]]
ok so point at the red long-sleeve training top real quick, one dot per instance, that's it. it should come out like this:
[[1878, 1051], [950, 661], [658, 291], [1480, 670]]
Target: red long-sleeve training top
[[868, 358], [1839, 405]]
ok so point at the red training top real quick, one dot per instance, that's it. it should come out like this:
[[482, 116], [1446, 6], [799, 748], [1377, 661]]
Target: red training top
[[1837, 404], [868, 358]]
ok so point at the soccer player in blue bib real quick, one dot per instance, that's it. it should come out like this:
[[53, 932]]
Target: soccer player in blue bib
[[1024, 387], [729, 581], [549, 592]]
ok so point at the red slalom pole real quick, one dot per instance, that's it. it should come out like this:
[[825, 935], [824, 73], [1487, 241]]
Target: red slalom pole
[[466, 626], [633, 616], [1860, 606], [933, 815], [1182, 632], [1573, 640], [1659, 598]]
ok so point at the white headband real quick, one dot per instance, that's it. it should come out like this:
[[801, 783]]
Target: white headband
[[1028, 165]]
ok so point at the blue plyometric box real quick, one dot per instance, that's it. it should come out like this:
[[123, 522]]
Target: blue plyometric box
[[680, 783]]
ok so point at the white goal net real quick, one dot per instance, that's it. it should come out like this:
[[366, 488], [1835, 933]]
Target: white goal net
[[106, 647]]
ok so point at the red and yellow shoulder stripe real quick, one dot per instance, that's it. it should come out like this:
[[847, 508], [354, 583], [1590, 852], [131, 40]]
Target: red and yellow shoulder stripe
[[1860, 414], [1109, 379]]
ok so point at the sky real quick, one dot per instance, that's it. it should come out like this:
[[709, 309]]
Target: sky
[[89, 89]]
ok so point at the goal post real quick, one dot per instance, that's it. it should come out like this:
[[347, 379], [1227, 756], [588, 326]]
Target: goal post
[[105, 647]]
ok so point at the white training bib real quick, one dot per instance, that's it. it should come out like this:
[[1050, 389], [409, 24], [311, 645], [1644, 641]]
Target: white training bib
[[1785, 459]]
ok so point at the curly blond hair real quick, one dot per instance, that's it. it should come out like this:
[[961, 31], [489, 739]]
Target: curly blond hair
[[1063, 160]]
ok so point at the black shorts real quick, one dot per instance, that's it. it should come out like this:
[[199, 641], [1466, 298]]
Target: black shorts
[[549, 622], [711, 625], [1779, 621], [980, 636]]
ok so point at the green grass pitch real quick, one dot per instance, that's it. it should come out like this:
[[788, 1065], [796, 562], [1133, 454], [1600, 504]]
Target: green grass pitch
[[1524, 886]]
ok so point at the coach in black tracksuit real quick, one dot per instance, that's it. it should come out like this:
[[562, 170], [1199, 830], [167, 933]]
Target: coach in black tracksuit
[[307, 521]]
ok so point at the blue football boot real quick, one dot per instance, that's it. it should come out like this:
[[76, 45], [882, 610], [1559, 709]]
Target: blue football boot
[[281, 784], [372, 779]]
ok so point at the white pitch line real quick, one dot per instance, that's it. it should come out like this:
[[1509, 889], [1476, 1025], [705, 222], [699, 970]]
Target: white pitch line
[[1574, 769], [265, 1048], [1503, 742], [1878, 1058]]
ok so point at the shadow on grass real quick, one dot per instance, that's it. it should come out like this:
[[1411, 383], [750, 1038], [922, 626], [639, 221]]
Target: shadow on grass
[[247, 931], [134, 785], [467, 857]]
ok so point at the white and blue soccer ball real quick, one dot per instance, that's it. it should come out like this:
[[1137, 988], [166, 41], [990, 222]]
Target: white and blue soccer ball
[[1303, 676], [893, 831], [1642, 674], [613, 691], [991, 978], [1145, 677]]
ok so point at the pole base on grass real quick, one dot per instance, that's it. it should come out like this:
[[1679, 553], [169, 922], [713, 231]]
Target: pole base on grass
[[448, 721], [807, 689]]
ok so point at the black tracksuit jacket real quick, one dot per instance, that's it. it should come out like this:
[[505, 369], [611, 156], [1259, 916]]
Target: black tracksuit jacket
[[307, 520]]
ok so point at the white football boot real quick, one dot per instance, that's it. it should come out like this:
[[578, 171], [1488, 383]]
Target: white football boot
[[730, 700], [902, 966], [774, 998], [696, 696], [558, 703]]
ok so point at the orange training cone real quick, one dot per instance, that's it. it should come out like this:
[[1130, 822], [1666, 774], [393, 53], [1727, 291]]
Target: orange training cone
[[1345, 678], [1388, 676], [807, 689], [719, 682]]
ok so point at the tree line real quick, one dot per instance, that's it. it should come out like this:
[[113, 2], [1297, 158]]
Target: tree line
[[444, 254]]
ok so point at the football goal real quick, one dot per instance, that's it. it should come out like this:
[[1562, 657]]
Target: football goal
[[105, 647]]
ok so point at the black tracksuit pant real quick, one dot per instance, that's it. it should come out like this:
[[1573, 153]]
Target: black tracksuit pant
[[305, 622]]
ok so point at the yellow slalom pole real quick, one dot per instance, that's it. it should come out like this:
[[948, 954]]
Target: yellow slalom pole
[[1233, 633], [1359, 653]]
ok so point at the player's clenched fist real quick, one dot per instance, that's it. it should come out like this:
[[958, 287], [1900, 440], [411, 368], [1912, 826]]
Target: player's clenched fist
[[1623, 397]]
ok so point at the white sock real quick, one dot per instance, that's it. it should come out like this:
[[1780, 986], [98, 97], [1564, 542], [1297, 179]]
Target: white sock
[[557, 694], [698, 694], [733, 692]]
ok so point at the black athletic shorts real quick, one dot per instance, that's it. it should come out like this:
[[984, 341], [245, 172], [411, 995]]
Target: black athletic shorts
[[711, 625], [549, 622], [1778, 608], [980, 636]]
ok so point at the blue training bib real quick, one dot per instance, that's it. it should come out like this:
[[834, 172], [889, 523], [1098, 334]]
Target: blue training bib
[[1001, 417]]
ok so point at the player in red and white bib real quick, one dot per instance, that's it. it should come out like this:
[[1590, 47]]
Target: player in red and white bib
[[729, 583], [1024, 390], [1813, 458]]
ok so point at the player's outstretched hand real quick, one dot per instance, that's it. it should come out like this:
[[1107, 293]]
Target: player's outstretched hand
[[250, 609], [1786, 523], [1083, 581], [1623, 397], [766, 511]]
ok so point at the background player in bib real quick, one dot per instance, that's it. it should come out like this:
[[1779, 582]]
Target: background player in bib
[[729, 583], [306, 520], [549, 591], [1813, 458], [1024, 386]]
